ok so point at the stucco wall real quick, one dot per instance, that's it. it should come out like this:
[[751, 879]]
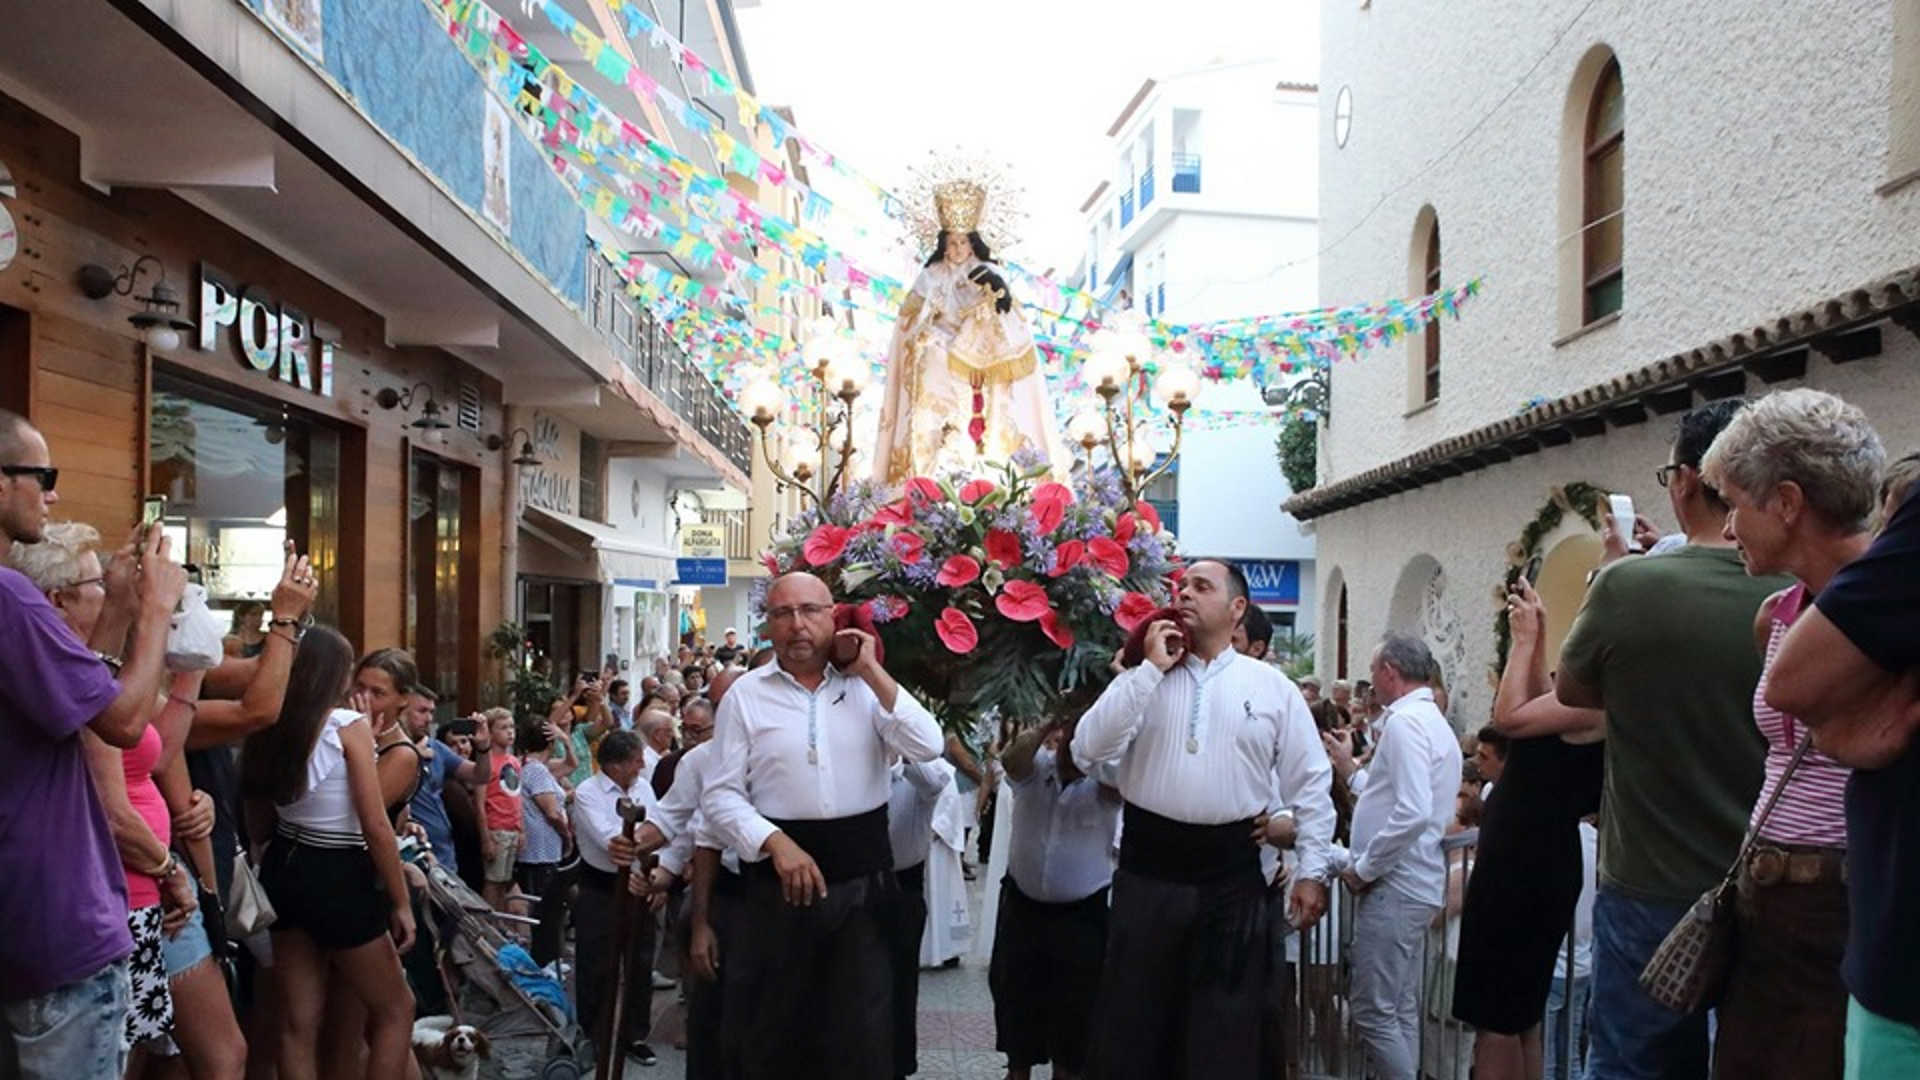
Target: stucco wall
[[1753, 149], [400, 69], [1466, 523]]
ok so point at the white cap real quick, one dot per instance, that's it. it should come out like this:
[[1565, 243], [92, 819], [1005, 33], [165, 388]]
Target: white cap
[[731, 630]]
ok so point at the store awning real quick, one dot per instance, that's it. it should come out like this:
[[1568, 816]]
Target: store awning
[[612, 557]]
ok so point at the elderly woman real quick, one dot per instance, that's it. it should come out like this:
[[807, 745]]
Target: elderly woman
[[1801, 471]]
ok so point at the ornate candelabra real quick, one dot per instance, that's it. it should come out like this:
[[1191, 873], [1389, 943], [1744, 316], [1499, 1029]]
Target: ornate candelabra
[[838, 374], [1116, 369]]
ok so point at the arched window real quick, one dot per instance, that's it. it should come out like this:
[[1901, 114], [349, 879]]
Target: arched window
[[1603, 226], [1423, 277], [1433, 329], [1340, 648]]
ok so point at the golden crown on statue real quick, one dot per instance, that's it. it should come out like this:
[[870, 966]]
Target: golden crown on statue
[[957, 192], [959, 204]]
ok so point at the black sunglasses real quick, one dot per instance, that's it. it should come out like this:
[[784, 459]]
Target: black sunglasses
[[46, 474], [1665, 472]]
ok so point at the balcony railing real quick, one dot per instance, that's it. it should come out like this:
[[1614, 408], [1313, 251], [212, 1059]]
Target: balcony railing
[[1146, 187], [1186, 174], [739, 535], [663, 366], [1126, 208]]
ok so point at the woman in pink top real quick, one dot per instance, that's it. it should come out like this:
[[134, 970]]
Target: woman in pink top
[[1800, 469]]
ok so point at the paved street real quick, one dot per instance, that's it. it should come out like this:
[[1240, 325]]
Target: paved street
[[956, 1026]]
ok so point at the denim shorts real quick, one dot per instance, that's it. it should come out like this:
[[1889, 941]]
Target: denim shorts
[[74, 1030], [181, 952]]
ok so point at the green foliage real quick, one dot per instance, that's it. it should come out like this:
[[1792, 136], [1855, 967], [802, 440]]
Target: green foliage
[[1296, 448], [529, 694], [1293, 651], [1580, 497]]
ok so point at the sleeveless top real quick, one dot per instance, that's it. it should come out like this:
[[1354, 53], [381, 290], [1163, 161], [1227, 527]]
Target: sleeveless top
[[324, 816], [144, 794], [1812, 809]]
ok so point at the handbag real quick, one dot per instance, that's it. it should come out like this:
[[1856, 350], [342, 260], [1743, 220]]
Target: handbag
[[1689, 969], [248, 909]]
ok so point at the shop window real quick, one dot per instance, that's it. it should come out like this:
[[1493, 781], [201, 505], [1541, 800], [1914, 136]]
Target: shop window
[[241, 477]]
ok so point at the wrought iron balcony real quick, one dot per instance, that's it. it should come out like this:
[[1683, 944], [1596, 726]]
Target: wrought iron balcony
[[663, 366], [1126, 208], [1146, 187]]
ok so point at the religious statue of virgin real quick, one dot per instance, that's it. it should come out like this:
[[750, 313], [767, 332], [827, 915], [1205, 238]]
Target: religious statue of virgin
[[963, 377]]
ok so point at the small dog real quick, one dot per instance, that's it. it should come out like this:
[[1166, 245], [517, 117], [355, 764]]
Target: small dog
[[449, 1051]]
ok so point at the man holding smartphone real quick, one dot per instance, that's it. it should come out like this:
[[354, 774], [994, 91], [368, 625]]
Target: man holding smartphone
[[64, 983]]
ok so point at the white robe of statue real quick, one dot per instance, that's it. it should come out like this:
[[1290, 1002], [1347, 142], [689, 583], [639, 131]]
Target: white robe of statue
[[951, 344]]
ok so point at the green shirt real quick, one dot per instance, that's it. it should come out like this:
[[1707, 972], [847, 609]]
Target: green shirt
[[1668, 642]]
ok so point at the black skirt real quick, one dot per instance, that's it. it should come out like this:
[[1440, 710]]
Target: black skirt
[[1526, 880]]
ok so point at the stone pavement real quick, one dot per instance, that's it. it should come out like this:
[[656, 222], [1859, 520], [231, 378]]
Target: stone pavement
[[956, 1025]]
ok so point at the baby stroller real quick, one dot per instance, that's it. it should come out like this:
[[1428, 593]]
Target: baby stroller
[[494, 985]]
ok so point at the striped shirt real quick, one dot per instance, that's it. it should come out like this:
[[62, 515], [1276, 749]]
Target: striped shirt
[[1812, 809]]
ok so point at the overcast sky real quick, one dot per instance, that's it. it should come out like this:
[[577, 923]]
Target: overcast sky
[[1033, 83]]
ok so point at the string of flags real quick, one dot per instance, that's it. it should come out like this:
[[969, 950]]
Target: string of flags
[[645, 188]]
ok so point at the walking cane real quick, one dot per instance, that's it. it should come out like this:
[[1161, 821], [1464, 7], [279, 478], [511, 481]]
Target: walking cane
[[613, 1056]]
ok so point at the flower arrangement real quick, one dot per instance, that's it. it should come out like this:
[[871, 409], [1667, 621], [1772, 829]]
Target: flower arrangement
[[996, 589]]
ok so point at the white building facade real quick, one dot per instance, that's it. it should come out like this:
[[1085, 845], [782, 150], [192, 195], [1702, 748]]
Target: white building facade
[[1210, 212], [1667, 207]]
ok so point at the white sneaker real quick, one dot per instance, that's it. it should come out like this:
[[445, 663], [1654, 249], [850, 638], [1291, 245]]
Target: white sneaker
[[661, 982]]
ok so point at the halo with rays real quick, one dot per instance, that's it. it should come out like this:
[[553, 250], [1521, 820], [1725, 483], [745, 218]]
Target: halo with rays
[[1000, 220]]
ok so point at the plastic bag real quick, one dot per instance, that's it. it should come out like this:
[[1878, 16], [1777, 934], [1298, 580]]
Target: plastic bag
[[194, 643]]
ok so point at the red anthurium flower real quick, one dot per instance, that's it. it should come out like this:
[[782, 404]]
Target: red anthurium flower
[[1067, 556], [975, 490], [956, 631], [1108, 556], [825, 544], [1053, 491], [958, 570], [1177, 575], [1123, 529], [1056, 629], [924, 489], [897, 512], [1148, 515], [1022, 601], [1133, 610], [1047, 515], [772, 564], [909, 546], [1003, 547]]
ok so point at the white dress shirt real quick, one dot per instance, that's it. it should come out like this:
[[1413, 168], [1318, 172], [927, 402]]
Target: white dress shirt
[[1211, 743], [781, 751], [596, 815], [1401, 814], [914, 793], [679, 817], [1061, 844]]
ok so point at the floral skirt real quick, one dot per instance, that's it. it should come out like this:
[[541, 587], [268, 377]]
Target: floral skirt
[[151, 1016]]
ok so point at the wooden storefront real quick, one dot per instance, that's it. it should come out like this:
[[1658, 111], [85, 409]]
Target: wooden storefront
[[404, 523]]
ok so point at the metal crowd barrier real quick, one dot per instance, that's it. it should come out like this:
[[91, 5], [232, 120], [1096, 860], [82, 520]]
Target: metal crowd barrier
[[1320, 1029]]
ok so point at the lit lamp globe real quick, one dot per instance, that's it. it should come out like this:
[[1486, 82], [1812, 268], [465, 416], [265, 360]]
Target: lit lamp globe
[[797, 462], [820, 337], [1141, 454], [1087, 429], [848, 372], [1176, 387], [1136, 346], [761, 399], [1106, 366]]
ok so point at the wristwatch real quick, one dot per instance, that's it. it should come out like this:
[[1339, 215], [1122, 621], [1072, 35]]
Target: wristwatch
[[113, 663], [296, 627]]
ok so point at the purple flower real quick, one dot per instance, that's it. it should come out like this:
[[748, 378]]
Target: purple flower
[[921, 574], [1029, 458]]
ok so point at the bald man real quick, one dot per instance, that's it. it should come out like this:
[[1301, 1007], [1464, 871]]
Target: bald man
[[798, 788]]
